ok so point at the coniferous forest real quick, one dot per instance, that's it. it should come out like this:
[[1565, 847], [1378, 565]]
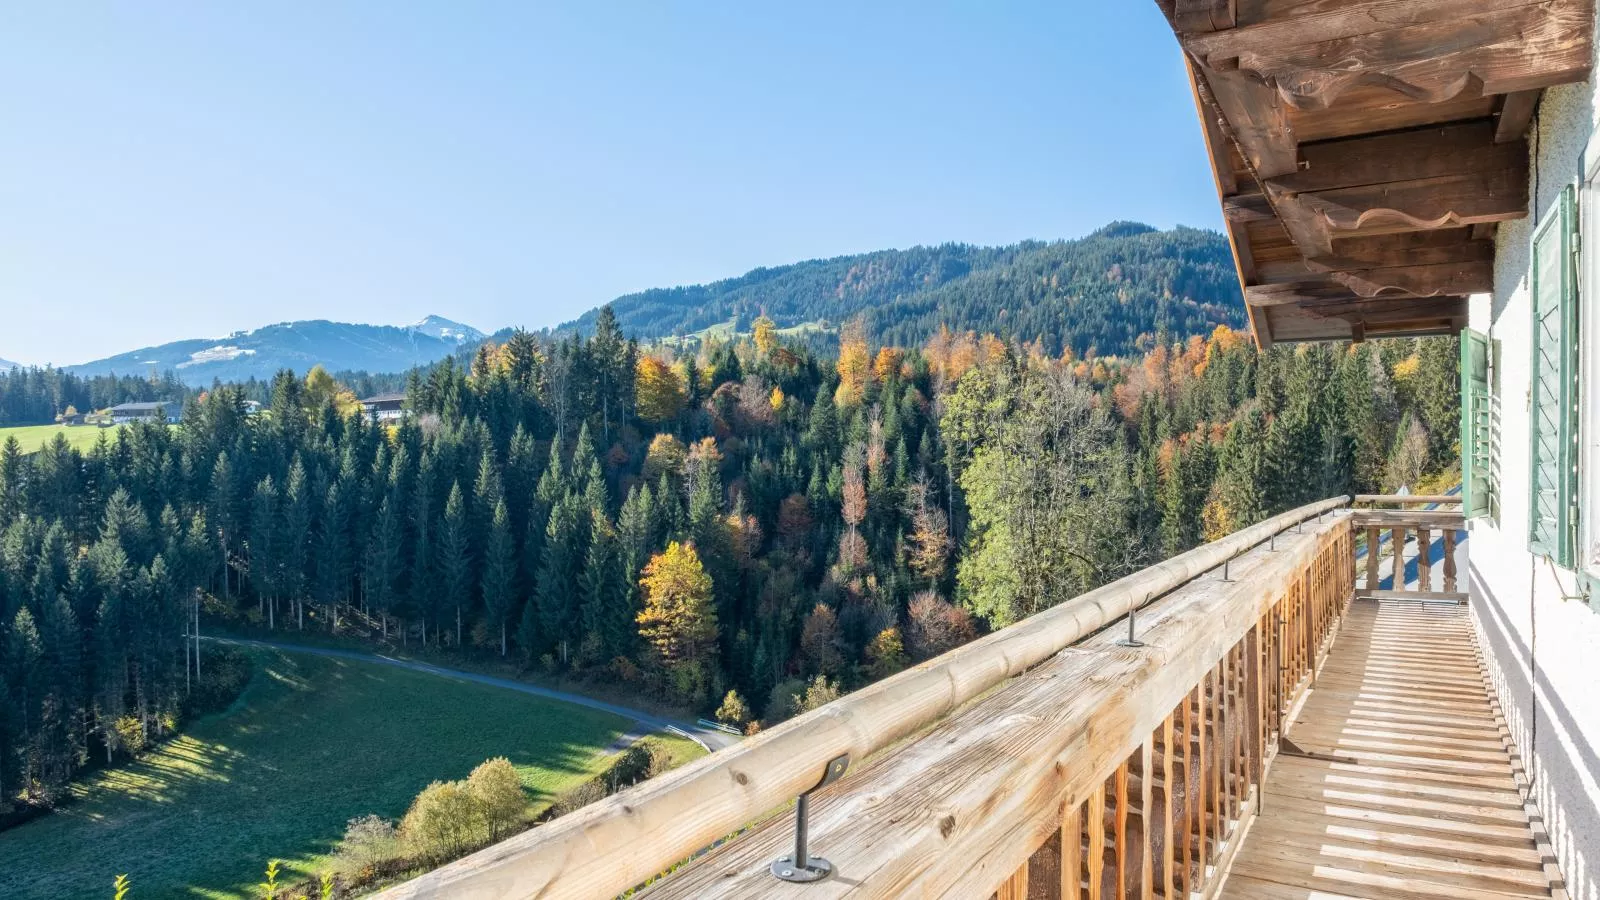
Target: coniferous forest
[[747, 529]]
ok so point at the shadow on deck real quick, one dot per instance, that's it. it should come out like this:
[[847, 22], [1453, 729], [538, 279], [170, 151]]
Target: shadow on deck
[[1400, 781]]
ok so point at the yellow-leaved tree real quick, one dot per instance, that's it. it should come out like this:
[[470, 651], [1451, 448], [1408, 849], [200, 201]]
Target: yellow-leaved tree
[[658, 390], [855, 365], [766, 334], [320, 387], [678, 620]]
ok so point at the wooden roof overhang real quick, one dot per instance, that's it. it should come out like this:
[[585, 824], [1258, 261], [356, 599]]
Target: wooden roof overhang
[[1365, 150]]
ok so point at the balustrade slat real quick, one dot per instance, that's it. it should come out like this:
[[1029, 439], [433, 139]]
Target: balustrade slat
[[1450, 560], [1120, 832], [1015, 887], [1397, 542], [1424, 559], [1146, 819], [1372, 558], [1095, 820], [1072, 853], [1168, 807]]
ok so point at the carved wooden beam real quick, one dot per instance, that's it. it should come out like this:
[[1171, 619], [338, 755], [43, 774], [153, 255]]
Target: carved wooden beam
[[1443, 202], [1436, 280], [1251, 207], [1199, 16], [1435, 51], [1257, 120], [1452, 245], [1272, 26], [1516, 111], [1404, 156], [1424, 179]]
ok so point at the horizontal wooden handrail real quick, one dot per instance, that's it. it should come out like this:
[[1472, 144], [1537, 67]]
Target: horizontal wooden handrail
[[1407, 499], [618, 843], [1086, 744], [1410, 518]]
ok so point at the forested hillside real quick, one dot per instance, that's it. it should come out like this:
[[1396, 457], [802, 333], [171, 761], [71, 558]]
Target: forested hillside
[[33, 396], [745, 529], [1112, 292]]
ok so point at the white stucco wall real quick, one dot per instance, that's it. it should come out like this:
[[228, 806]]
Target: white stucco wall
[[1542, 648]]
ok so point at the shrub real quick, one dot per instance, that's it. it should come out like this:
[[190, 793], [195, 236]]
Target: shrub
[[497, 789], [819, 693], [784, 701], [591, 791], [129, 734], [733, 711], [443, 822], [369, 842]]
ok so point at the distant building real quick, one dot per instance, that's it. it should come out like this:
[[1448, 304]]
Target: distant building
[[385, 407], [252, 407], [169, 411], [70, 418]]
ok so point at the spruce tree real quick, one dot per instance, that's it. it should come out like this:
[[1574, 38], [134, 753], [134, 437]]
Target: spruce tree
[[499, 572], [454, 559]]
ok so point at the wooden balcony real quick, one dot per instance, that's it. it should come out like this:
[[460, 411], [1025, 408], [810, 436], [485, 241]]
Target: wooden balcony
[[1269, 732]]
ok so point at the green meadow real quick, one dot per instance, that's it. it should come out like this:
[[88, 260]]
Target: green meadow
[[32, 437], [311, 743]]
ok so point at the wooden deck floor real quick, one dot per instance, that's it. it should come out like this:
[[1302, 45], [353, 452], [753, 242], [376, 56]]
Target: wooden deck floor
[[1407, 790]]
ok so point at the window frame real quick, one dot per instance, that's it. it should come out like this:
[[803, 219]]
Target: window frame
[[1555, 540]]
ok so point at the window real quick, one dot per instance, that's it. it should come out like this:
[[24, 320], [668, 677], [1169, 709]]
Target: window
[[1553, 389], [1477, 485]]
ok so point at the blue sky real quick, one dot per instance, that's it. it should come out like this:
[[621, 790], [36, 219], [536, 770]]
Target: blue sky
[[187, 170]]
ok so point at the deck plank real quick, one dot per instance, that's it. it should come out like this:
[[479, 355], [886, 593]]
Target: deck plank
[[1407, 790]]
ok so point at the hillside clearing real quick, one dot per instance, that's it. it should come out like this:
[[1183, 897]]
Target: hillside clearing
[[312, 743], [33, 437]]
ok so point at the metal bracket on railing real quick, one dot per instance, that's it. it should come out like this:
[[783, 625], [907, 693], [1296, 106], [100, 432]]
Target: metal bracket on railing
[[1130, 640], [1225, 569], [800, 866]]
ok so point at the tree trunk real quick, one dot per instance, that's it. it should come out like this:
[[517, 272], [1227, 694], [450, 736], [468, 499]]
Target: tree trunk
[[502, 640]]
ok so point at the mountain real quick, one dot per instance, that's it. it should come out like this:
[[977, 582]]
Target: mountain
[[1109, 291], [7, 365], [294, 345]]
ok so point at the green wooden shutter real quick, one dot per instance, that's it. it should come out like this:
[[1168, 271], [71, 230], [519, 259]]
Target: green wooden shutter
[[1475, 445], [1553, 483]]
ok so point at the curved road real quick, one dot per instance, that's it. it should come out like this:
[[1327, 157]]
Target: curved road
[[644, 722]]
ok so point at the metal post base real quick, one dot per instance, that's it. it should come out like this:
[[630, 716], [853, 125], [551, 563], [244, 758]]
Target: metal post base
[[816, 869]]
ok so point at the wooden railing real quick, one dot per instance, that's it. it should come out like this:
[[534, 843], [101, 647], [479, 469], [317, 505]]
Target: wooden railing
[[1092, 768], [1387, 534]]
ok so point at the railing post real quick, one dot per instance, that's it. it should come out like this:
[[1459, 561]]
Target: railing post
[[801, 866]]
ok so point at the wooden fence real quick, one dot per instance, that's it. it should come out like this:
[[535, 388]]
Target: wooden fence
[[1393, 530], [1058, 771]]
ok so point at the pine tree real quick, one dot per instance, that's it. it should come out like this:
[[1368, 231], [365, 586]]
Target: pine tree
[[499, 571], [607, 615], [296, 523], [454, 560], [557, 593], [265, 551], [381, 566]]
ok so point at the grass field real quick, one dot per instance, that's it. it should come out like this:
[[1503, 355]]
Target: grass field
[[32, 437], [724, 331], [312, 743]]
